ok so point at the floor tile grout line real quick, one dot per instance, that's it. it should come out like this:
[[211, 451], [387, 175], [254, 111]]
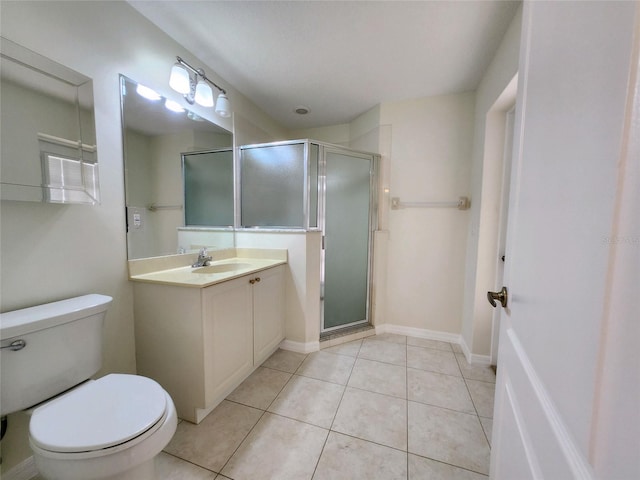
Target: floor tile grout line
[[241, 442], [447, 463], [434, 371], [281, 370], [255, 424], [315, 468], [302, 363], [368, 441], [306, 422], [406, 376], [355, 358], [343, 393], [477, 414], [480, 421], [381, 361], [473, 414], [279, 391], [469, 378], [377, 393], [334, 417], [431, 348], [190, 462]]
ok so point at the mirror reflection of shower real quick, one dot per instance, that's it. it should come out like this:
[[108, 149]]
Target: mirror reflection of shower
[[155, 137]]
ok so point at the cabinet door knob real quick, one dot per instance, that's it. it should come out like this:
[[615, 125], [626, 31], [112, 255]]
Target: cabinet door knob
[[257, 279], [252, 281]]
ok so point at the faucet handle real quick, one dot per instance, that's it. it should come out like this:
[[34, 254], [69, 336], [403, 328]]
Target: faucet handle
[[203, 252]]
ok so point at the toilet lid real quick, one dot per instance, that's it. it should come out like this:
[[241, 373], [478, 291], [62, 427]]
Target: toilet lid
[[100, 414]]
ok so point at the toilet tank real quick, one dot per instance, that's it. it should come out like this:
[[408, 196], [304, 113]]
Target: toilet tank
[[62, 348]]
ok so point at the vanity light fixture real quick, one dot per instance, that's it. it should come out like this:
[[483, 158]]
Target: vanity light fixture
[[196, 89]]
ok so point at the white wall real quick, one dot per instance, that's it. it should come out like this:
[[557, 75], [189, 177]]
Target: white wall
[[425, 147], [49, 252], [430, 161], [302, 282], [336, 134]]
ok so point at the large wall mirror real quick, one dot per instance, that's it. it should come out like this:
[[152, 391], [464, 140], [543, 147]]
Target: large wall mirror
[[48, 149], [158, 135]]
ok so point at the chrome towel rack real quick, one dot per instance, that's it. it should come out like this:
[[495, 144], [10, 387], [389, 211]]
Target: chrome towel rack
[[153, 207], [463, 203]]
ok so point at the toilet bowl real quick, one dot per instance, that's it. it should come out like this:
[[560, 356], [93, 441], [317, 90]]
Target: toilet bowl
[[111, 428], [80, 429]]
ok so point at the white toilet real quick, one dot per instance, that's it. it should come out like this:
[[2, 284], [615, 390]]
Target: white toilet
[[111, 428]]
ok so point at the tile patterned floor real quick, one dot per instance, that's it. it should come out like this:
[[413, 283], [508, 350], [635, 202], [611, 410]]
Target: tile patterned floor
[[386, 407]]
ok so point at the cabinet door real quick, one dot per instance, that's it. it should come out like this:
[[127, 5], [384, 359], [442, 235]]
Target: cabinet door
[[268, 312], [228, 336]]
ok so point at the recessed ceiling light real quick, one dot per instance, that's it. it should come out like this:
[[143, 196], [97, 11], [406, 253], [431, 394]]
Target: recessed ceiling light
[[301, 110]]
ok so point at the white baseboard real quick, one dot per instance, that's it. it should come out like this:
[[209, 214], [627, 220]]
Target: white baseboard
[[454, 338], [474, 358], [25, 470], [418, 333], [300, 347]]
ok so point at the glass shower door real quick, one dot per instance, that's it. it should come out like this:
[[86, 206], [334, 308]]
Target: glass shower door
[[347, 238]]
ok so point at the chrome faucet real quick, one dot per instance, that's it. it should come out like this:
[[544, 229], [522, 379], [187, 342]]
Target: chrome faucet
[[203, 259]]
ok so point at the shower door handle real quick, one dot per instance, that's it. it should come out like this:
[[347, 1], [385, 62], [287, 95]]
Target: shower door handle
[[502, 296]]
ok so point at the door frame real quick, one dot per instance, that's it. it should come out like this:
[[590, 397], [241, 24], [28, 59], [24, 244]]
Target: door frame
[[326, 149], [508, 117]]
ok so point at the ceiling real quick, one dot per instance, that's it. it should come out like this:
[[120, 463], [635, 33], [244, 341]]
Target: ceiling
[[338, 58]]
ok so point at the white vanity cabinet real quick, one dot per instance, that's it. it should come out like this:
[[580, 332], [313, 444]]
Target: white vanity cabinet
[[268, 313], [201, 343]]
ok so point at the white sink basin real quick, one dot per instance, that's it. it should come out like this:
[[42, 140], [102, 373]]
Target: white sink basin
[[221, 268]]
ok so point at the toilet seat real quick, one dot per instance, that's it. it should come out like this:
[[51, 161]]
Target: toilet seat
[[99, 415]]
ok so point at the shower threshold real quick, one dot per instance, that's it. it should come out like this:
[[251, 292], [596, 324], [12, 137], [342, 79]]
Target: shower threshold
[[344, 335]]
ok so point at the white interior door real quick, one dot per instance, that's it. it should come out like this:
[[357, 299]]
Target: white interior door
[[575, 64]]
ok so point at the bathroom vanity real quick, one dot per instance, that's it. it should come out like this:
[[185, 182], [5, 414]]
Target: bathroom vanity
[[201, 331]]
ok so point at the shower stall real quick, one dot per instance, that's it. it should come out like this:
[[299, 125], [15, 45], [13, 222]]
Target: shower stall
[[314, 186]]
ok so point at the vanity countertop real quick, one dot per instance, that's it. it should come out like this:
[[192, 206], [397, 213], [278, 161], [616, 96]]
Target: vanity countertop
[[219, 270]]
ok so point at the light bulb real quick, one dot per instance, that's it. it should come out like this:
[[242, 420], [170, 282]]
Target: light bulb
[[222, 106], [204, 95], [179, 79]]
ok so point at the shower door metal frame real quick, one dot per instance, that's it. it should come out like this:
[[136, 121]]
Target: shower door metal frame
[[323, 150], [306, 186], [326, 149]]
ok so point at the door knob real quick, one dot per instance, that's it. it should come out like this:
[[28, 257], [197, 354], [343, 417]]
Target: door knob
[[502, 296]]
